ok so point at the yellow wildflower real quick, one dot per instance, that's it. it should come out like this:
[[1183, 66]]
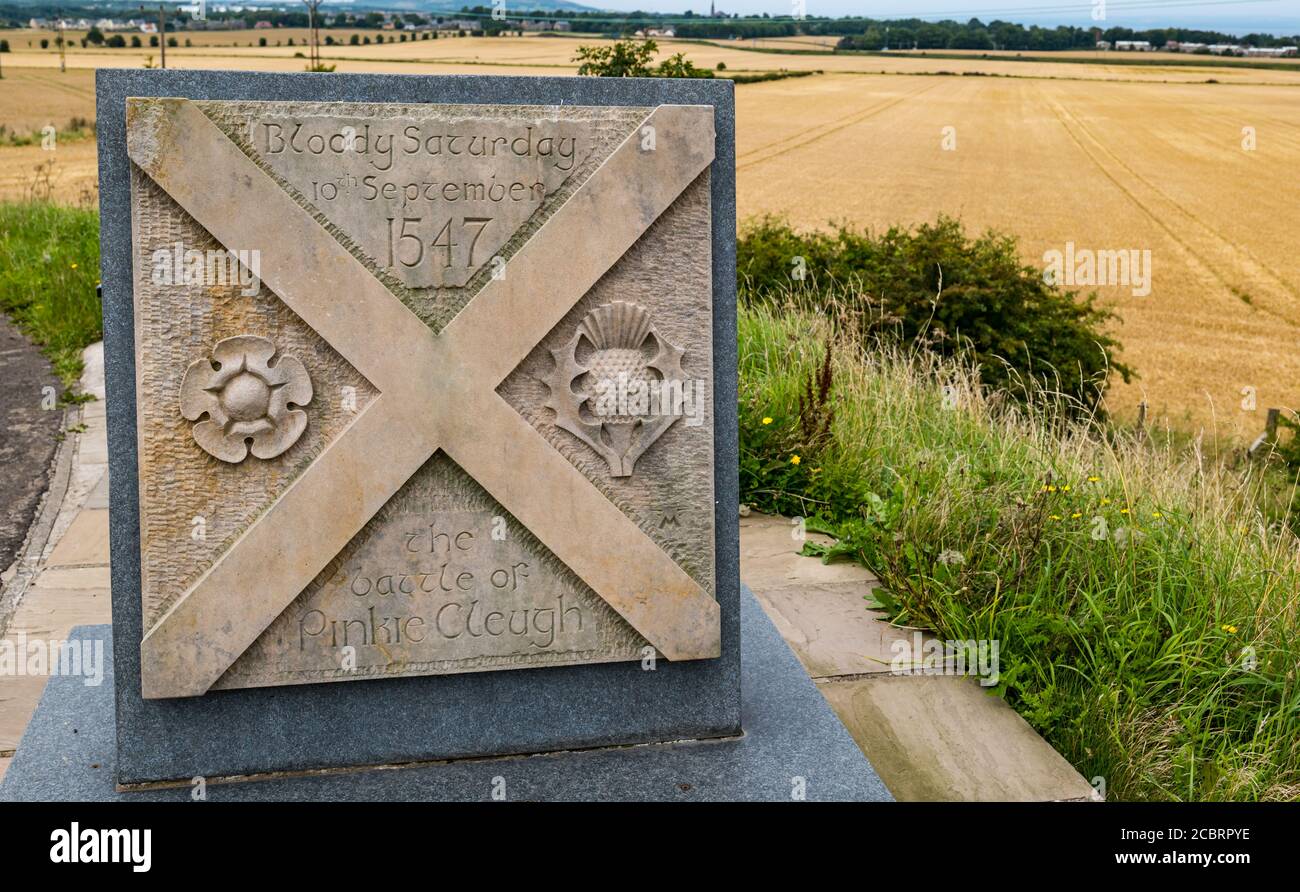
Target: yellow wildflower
[[794, 459], [767, 420]]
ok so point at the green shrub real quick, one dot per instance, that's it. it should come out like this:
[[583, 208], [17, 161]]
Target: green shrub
[[624, 58], [933, 286], [634, 58]]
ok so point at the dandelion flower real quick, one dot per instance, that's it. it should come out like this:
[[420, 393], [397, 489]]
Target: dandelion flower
[[794, 459], [1105, 501], [767, 420], [74, 266], [1123, 511], [1053, 517], [1076, 515], [1157, 515], [1065, 488], [1093, 479]]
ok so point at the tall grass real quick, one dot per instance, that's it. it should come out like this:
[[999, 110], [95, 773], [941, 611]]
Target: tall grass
[[1146, 609], [49, 266]]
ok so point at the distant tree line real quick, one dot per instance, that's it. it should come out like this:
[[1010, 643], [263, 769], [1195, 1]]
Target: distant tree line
[[870, 34], [856, 32]]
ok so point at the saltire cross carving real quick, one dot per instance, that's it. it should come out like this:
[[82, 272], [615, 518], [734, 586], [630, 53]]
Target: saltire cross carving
[[435, 391]]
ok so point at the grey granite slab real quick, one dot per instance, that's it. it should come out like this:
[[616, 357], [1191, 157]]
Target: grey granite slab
[[407, 719], [790, 734]]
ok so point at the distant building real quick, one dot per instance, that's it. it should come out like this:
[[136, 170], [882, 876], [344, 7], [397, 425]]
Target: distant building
[[1103, 44], [262, 26], [1134, 46], [541, 25], [1226, 49], [1273, 52]]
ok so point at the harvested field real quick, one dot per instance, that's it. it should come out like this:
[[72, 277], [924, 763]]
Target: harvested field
[[1100, 157]]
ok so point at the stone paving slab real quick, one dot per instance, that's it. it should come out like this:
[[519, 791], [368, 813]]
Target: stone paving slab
[[19, 695], [98, 497], [829, 628], [96, 577], [944, 738], [44, 615], [85, 542], [769, 553]]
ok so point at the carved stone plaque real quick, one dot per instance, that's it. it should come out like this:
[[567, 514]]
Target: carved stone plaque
[[421, 389]]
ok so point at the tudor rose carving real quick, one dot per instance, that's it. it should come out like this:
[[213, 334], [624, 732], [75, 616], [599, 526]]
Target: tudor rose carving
[[250, 398]]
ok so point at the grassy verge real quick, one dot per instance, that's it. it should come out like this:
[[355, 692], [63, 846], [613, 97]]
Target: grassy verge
[[1146, 609], [49, 266]]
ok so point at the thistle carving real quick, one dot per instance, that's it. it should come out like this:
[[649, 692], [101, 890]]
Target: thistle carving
[[604, 379]]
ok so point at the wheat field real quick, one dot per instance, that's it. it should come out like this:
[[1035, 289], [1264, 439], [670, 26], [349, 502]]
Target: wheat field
[[1197, 166]]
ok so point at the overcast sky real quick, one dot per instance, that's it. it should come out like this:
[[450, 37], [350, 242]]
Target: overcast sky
[[1282, 16]]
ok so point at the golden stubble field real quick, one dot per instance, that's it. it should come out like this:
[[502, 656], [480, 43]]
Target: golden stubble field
[[1096, 156]]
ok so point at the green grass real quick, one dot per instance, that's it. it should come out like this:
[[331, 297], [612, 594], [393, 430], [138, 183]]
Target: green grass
[[1146, 609], [49, 266]]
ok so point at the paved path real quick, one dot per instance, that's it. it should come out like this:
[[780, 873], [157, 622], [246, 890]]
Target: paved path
[[68, 584], [930, 737], [30, 420]]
